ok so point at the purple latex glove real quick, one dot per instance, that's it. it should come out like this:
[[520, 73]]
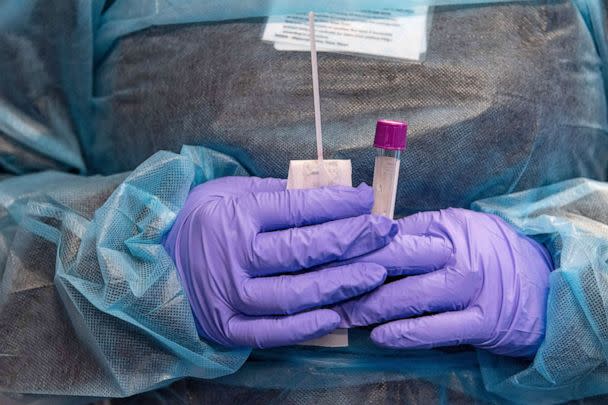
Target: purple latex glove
[[235, 235], [486, 284]]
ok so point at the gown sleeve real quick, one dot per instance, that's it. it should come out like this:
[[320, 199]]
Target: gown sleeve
[[571, 219], [88, 294]]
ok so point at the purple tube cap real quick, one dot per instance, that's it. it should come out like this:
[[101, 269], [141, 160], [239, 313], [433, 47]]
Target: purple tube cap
[[391, 135]]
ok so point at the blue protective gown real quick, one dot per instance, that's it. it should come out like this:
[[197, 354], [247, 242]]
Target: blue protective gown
[[507, 114]]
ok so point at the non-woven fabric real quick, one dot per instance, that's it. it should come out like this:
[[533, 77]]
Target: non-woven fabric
[[45, 84], [87, 283], [90, 302], [510, 97]]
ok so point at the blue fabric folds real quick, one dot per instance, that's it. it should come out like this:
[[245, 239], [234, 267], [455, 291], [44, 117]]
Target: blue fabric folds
[[88, 284], [508, 115]]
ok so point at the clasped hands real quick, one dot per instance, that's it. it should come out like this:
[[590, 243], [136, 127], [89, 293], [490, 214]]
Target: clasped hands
[[263, 266]]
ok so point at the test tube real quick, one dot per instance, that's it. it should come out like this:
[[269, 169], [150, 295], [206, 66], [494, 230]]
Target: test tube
[[389, 141]]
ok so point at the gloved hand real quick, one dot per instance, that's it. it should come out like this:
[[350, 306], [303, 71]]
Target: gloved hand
[[486, 284], [235, 234]]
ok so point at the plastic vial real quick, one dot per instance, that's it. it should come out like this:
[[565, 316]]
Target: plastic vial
[[389, 141]]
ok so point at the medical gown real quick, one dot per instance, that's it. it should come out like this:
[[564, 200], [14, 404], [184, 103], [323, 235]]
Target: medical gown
[[507, 115]]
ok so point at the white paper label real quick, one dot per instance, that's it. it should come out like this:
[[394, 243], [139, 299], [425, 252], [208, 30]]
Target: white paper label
[[392, 33], [386, 176], [313, 174], [319, 173]]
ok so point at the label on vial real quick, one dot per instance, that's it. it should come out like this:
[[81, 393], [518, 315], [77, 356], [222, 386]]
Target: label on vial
[[386, 175], [388, 32]]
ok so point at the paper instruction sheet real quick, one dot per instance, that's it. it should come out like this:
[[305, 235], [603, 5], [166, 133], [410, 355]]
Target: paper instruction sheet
[[391, 33]]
